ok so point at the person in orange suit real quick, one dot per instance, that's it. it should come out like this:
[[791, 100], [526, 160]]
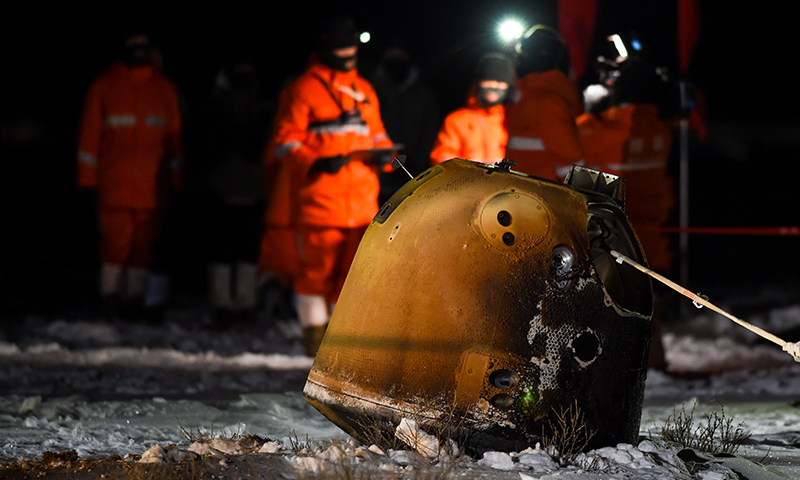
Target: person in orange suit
[[629, 139], [328, 123], [477, 131], [542, 135], [278, 256], [129, 150]]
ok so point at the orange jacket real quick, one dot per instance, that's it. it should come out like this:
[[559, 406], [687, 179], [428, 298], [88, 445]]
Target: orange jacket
[[281, 186], [632, 142], [542, 135], [474, 133], [130, 137], [279, 246], [348, 198]]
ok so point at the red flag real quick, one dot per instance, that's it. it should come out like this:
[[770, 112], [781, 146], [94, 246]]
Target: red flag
[[576, 23], [688, 32]]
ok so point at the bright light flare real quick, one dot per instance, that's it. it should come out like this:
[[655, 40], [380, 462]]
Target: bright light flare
[[623, 52], [364, 37], [510, 30]]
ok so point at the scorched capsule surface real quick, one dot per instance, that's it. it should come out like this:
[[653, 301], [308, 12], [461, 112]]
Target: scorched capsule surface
[[482, 301]]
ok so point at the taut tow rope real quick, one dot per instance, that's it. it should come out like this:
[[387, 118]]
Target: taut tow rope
[[792, 349]]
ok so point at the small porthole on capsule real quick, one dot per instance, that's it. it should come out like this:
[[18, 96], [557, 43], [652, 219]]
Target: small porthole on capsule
[[504, 379], [504, 218], [508, 238], [502, 401]]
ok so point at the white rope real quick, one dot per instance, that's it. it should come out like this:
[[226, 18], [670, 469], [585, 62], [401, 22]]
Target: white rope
[[792, 349]]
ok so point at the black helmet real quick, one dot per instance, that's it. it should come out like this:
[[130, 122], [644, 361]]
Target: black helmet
[[338, 32], [495, 66], [541, 49], [135, 45], [638, 81]]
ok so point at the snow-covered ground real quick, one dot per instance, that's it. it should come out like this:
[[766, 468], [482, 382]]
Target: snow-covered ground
[[103, 389]]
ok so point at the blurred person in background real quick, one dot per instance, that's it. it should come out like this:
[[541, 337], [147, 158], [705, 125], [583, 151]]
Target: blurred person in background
[[278, 255], [330, 137], [542, 135], [410, 112], [477, 131], [629, 139], [129, 150], [235, 127]]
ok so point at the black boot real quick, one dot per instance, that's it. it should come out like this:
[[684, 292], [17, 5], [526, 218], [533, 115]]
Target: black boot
[[111, 306], [134, 309]]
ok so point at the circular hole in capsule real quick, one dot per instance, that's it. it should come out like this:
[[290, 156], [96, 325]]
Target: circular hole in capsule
[[586, 346], [504, 218], [508, 238], [504, 379], [502, 401]]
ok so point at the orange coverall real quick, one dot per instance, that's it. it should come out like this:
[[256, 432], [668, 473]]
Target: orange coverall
[[129, 149], [278, 252], [474, 133], [632, 142], [331, 210], [542, 135]]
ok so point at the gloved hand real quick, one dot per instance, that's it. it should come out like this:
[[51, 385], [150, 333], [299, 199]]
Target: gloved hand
[[330, 164]]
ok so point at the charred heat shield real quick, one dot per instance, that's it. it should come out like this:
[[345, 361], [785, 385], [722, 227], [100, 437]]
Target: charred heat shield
[[481, 303]]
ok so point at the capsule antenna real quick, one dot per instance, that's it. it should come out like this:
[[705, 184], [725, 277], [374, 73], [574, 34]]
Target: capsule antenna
[[505, 164], [398, 163]]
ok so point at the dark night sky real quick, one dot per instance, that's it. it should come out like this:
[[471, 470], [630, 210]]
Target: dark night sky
[[744, 63]]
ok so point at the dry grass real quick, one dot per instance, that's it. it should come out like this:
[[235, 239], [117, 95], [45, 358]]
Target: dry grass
[[570, 436], [715, 434], [195, 434]]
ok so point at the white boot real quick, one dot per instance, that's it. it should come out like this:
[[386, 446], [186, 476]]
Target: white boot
[[219, 283], [136, 279], [246, 291], [313, 314], [110, 280], [312, 310]]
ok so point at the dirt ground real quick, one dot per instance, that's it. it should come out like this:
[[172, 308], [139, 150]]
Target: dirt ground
[[264, 466], [250, 466], [67, 466]]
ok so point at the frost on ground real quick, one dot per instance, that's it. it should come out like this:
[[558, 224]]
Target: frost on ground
[[180, 393]]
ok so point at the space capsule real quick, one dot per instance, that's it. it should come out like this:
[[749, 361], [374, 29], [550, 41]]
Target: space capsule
[[485, 300]]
